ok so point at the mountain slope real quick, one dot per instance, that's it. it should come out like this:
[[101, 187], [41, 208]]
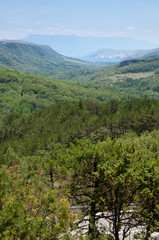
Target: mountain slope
[[25, 93], [148, 65], [37, 59], [130, 78], [65, 122]]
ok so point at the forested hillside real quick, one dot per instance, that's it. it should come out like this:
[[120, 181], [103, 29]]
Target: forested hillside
[[25, 93], [79, 120], [129, 79], [104, 156], [89, 144], [149, 65], [66, 122], [37, 59]]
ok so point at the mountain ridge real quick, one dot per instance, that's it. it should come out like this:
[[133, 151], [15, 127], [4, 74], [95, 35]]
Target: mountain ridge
[[76, 46], [113, 55], [36, 58]]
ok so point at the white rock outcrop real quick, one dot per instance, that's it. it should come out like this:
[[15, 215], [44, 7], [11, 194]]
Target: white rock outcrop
[[154, 236]]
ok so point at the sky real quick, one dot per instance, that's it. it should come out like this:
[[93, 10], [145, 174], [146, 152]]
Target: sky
[[101, 18]]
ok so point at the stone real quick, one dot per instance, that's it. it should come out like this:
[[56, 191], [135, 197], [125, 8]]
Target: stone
[[154, 236]]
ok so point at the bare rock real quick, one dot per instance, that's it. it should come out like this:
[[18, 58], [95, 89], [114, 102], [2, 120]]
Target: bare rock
[[154, 236]]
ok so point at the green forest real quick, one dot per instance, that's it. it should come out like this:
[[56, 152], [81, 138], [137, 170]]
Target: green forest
[[79, 153], [83, 153]]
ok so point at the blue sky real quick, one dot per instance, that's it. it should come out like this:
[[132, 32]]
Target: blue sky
[[107, 18]]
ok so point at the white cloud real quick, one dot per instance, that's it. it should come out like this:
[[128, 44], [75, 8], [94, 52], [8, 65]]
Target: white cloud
[[131, 28], [66, 30], [29, 30], [49, 29], [38, 23]]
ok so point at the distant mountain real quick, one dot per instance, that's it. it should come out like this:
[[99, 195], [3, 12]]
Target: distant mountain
[[75, 46], [35, 58], [111, 55]]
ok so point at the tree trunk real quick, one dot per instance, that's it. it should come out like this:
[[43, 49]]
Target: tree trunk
[[116, 226], [147, 232], [92, 226], [92, 232], [51, 178]]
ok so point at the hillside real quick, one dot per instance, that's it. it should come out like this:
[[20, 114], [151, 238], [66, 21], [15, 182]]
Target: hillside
[[137, 77], [36, 59], [26, 93], [51, 160], [141, 65], [58, 137], [66, 122]]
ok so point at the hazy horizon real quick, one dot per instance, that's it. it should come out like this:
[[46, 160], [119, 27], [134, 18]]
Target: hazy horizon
[[137, 19]]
